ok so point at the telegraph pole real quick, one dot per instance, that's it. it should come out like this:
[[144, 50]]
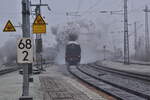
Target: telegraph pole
[[26, 34], [126, 38], [135, 37], [146, 10]]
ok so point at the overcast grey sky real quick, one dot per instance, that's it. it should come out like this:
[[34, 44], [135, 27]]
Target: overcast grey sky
[[88, 9]]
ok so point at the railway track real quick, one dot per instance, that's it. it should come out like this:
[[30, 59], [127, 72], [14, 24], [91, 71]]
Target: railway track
[[117, 84], [15, 67], [9, 70], [135, 75]]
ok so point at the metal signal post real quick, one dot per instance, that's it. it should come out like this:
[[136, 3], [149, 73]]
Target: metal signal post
[[38, 40], [135, 38], [126, 37], [26, 34], [146, 10]]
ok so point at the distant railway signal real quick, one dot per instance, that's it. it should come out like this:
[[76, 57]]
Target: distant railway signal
[[24, 50], [9, 27]]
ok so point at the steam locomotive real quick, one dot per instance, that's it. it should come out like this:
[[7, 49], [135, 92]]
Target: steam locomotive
[[73, 53]]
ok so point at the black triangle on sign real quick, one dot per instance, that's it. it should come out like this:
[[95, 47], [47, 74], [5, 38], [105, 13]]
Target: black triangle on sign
[[9, 27], [39, 20]]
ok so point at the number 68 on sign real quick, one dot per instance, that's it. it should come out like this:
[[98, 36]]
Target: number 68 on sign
[[25, 50]]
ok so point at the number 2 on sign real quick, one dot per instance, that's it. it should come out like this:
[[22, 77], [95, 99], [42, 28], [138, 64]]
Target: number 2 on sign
[[26, 55], [25, 48]]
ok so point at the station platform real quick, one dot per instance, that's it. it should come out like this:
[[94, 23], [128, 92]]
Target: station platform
[[54, 84], [136, 68]]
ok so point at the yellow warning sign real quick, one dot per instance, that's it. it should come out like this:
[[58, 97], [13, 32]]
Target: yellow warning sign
[[39, 25], [9, 27]]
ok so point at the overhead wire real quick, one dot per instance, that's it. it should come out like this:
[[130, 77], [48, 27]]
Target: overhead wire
[[93, 6], [139, 9], [91, 11]]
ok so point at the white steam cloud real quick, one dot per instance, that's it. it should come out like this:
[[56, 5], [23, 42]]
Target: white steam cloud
[[89, 36]]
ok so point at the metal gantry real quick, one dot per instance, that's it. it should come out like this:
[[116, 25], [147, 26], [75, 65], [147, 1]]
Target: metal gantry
[[126, 35]]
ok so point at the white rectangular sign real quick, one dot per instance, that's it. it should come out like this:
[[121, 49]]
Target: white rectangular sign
[[25, 50]]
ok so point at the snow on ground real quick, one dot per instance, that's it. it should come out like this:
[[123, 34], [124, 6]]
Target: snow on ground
[[11, 87], [60, 71], [132, 67], [134, 61], [11, 84], [91, 95]]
